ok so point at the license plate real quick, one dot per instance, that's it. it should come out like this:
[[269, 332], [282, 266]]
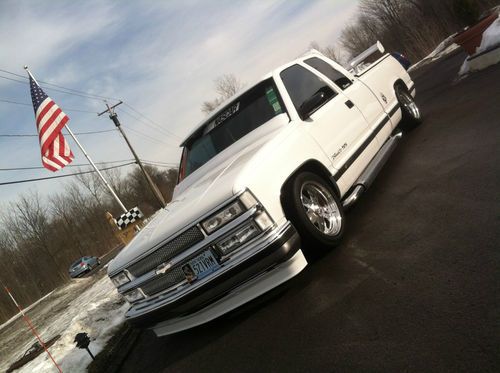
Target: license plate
[[200, 266]]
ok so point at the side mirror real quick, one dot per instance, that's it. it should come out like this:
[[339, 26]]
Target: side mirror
[[312, 104]]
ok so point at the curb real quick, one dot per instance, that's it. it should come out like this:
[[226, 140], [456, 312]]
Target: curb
[[116, 351]]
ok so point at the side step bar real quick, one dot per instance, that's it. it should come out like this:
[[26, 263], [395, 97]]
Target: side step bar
[[371, 171]]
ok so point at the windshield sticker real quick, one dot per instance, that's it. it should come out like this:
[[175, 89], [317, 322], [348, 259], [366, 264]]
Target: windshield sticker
[[273, 100], [228, 113]]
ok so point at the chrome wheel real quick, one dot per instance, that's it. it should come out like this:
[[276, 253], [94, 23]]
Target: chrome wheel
[[408, 104], [321, 208]]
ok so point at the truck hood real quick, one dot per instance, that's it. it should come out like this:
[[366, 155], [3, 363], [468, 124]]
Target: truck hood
[[202, 191]]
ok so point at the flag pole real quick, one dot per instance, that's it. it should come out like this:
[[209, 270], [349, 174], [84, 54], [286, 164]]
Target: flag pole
[[30, 325], [87, 156]]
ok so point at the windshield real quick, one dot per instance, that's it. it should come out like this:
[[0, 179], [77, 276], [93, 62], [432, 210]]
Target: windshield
[[240, 117], [77, 263]]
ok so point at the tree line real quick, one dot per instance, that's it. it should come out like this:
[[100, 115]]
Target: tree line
[[412, 27], [41, 237]]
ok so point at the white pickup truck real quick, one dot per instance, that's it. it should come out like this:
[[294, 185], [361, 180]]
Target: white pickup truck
[[277, 165]]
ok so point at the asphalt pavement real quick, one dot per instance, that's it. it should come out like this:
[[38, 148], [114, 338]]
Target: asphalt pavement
[[414, 287]]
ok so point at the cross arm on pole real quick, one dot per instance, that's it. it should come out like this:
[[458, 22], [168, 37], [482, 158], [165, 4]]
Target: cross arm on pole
[[110, 108]]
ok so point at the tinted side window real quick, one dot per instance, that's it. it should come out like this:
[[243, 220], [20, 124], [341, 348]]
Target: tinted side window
[[329, 71], [302, 84]]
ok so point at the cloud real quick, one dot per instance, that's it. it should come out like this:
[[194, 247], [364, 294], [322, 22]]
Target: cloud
[[159, 57], [43, 33]]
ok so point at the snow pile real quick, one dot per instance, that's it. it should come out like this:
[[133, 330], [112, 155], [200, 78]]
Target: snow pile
[[18, 315], [491, 36], [15, 338], [491, 39], [98, 311], [444, 48]]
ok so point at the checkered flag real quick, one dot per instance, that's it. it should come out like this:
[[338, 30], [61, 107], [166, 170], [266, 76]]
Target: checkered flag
[[129, 217]]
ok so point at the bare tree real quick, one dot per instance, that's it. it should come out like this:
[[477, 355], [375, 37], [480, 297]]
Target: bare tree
[[225, 86], [93, 184], [31, 224], [329, 51], [117, 182], [61, 206], [413, 27], [38, 241]]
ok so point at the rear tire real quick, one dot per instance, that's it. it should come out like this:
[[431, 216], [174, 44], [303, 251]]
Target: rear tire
[[316, 212], [412, 116]]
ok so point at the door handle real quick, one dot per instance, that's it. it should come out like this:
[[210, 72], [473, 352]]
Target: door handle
[[349, 104]]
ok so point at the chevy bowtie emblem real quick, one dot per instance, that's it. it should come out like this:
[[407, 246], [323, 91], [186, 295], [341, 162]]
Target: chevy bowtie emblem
[[383, 98], [162, 268]]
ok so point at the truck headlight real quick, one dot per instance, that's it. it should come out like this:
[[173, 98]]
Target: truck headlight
[[133, 295], [120, 279], [244, 202], [223, 217], [238, 238]]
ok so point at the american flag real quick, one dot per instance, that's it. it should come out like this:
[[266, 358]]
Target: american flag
[[50, 121]]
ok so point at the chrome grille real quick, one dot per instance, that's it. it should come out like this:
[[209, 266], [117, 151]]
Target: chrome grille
[[169, 279], [167, 251]]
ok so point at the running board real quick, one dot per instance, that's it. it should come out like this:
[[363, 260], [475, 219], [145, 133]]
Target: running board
[[371, 171]]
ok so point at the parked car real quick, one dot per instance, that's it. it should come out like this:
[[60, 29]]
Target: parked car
[[275, 166], [402, 59], [83, 265]]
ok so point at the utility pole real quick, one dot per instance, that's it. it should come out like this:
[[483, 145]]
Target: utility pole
[[114, 117]]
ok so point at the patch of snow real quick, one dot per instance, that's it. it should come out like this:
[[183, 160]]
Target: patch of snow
[[491, 39], [98, 311], [16, 316], [444, 48], [464, 69], [491, 36]]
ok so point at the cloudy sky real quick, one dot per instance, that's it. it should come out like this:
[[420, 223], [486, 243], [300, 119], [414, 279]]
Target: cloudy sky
[[159, 57]]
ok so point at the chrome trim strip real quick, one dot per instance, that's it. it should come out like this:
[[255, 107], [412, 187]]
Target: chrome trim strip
[[168, 290], [366, 178], [386, 118], [353, 197], [148, 276], [152, 303]]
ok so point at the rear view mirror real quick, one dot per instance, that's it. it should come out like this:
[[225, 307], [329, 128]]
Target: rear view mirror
[[312, 104]]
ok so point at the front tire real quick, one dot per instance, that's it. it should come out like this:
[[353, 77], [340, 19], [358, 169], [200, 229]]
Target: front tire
[[316, 211], [412, 116]]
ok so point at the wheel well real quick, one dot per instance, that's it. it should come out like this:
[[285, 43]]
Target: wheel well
[[313, 166], [400, 83]]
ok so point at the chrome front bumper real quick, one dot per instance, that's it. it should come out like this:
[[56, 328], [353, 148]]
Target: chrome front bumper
[[235, 298], [264, 255]]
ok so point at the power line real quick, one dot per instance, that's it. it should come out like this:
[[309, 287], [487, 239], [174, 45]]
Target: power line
[[70, 165], [122, 110], [76, 91], [76, 133], [54, 89], [146, 136], [60, 176], [166, 164], [31, 105], [153, 163], [159, 127], [158, 165], [14, 80]]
